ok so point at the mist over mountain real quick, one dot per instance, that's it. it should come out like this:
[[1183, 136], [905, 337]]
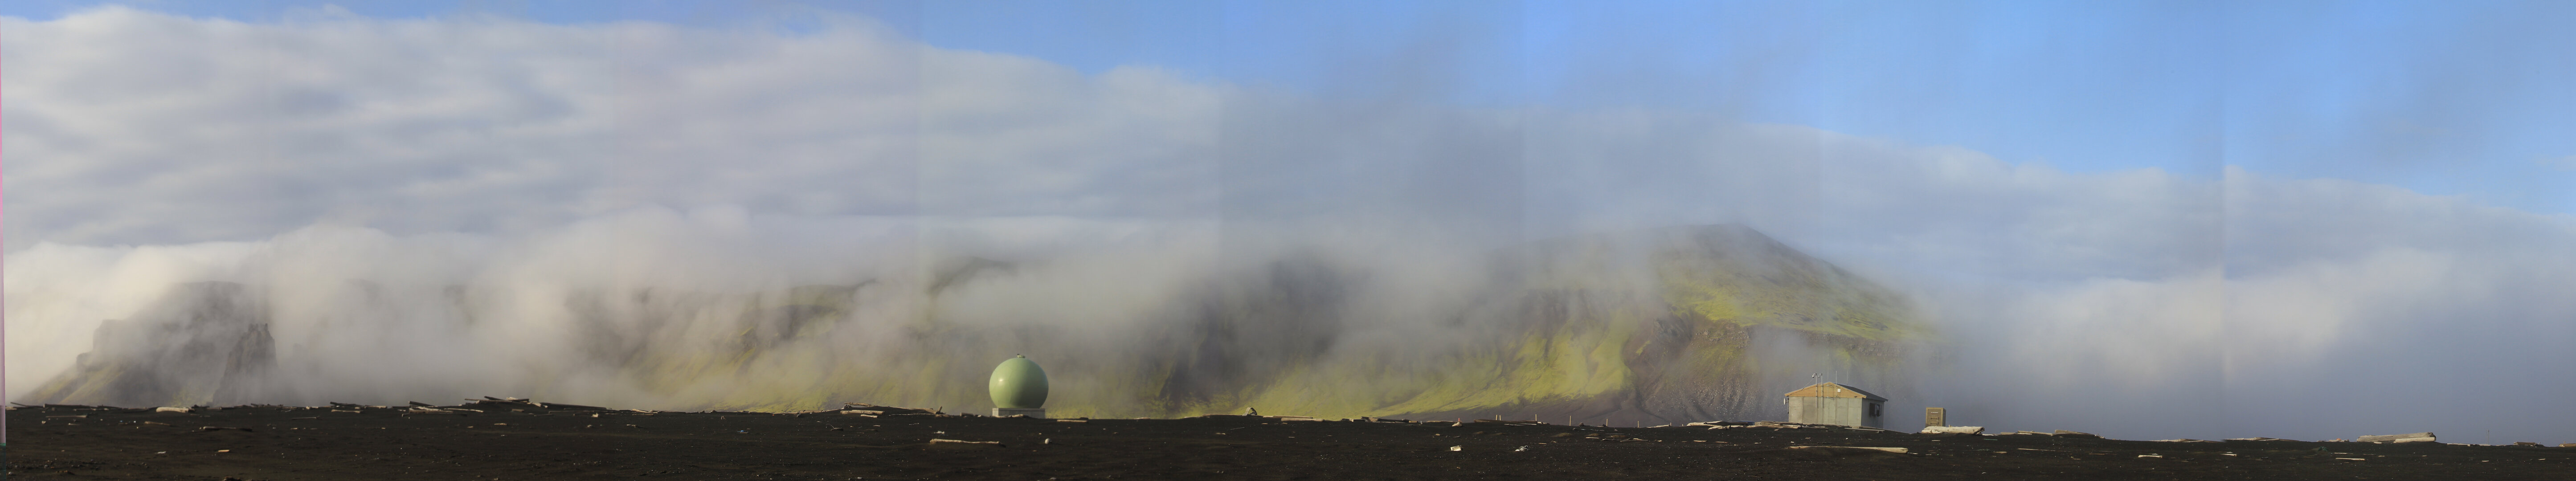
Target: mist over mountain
[[1664, 324], [203, 342]]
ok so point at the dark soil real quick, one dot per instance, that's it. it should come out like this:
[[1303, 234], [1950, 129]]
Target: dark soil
[[517, 441]]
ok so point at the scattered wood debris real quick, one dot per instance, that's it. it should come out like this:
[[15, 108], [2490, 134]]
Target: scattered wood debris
[[872, 409], [1892, 450], [1828, 452], [2424, 437]]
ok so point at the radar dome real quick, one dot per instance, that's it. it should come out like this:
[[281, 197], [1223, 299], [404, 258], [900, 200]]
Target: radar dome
[[1019, 384]]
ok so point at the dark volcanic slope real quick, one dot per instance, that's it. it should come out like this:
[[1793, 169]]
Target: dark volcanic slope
[[269, 443]]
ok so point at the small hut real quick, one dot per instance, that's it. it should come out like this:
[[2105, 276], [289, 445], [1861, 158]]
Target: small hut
[[1830, 403]]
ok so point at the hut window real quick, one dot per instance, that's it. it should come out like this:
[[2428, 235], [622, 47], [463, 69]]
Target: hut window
[[1874, 409]]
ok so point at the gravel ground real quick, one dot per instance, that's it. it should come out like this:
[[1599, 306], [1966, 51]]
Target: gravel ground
[[523, 441]]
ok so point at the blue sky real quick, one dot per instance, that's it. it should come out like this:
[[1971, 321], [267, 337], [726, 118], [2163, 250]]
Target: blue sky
[[2445, 98]]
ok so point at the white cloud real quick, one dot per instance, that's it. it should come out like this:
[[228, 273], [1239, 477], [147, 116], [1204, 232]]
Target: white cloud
[[146, 128]]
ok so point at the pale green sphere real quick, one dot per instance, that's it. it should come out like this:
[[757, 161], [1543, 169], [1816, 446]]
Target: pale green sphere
[[1019, 384]]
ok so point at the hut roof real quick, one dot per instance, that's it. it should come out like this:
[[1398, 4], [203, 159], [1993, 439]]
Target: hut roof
[[1827, 389]]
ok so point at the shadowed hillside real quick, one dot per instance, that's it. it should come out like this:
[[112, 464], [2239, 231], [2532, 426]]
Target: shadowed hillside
[[1667, 324], [202, 343]]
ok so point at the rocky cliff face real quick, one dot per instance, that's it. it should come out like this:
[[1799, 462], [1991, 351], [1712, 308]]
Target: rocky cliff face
[[1676, 324], [1670, 324], [202, 343]]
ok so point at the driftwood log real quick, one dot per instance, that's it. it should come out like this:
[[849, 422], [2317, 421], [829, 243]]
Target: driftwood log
[[2399, 438]]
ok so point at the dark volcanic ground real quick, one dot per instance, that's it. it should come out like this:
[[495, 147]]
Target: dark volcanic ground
[[518, 441]]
